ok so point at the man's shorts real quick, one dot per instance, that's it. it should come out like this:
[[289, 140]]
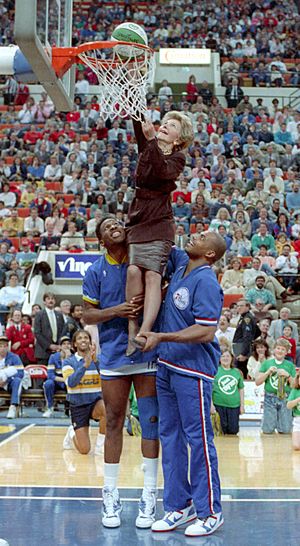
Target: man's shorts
[[296, 424], [81, 415], [148, 368]]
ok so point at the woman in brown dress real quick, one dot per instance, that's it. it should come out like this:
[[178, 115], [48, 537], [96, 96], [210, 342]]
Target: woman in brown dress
[[151, 227]]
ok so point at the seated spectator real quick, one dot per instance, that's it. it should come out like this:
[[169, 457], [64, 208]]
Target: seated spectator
[[233, 93], [56, 220], [21, 338], [25, 256], [27, 195], [280, 243], [262, 237], [50, 240], [11, 296], [14, 267], [182, 212], [93, 222], [55, 381], [282, 225], [11, 375], [8, 197], [72, 239], [296, 228], [33, 225], [260, 75], [35, 171], [277, 326], [5, 261], [181, 238], [219, 171], [267, 262], [14, 225], [241, 221], [283, 136], [232, 279], [79, 221], [42, 204], [18, 170], [241, 246], [261, 293], [119, 204], [76, 206], [293, 199], [199, 210], [222, 219], [53, 172], [287, 267], [224, 329]]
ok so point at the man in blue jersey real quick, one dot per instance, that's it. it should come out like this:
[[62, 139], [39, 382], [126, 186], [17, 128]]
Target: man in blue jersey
[[105, 304], [82, 378], [11, 375], [188, 361]]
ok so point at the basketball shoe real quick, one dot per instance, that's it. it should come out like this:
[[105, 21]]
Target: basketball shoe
[[171, 520], [112, 507], [205, 526]]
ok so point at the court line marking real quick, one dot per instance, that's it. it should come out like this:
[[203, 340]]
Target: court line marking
[[16, 434], [97, 499], [49, 486]]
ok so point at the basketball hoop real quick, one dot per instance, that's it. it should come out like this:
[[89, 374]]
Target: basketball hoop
[[124, 70]]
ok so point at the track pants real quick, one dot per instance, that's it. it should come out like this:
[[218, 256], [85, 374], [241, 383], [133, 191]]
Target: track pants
[[184, 408]]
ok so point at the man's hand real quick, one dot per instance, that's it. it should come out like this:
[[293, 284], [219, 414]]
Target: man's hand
[[273, 369], [53, 347], [242, 410], [94, 352], [65, 353], [152, 340], [148, 129], [282, 373], [132, 309]]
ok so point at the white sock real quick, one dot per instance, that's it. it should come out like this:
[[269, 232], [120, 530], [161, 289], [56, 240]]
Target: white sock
[[150, 467], [111, 472], [100, 439], [72, 432]]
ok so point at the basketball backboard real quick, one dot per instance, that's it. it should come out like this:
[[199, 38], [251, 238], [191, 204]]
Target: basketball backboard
[[40, 25]]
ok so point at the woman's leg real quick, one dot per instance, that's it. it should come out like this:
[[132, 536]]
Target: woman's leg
[[152, 301], [134, 287]]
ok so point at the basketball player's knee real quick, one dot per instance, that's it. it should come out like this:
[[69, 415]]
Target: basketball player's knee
[[114, 421], [148, 415]]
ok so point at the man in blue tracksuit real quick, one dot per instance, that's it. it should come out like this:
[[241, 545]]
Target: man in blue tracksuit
[[55, 380], [188, 361], [11, 375]]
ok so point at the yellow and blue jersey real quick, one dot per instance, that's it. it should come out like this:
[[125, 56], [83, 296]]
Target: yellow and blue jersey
[[54, 367], [196, 298], [104, 286], [12, 359], [83, 384]]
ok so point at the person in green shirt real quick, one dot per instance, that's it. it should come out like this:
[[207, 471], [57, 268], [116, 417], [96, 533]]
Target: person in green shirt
[[277, 374], [293, 404], [262, 237], [228, 394]]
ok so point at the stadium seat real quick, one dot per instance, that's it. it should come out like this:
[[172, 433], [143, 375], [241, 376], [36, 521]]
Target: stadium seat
[[24, 212], [231, 298]]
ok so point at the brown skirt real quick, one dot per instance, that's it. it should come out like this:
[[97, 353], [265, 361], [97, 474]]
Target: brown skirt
[[152, 256]]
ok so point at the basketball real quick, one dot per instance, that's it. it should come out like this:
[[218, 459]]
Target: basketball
[[129, 32]]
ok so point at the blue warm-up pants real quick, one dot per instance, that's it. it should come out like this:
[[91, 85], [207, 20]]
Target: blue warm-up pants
[[184, 409]]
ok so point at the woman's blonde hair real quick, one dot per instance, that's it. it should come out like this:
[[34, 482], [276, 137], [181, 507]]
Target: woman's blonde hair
[[223, 209], [186, 133]]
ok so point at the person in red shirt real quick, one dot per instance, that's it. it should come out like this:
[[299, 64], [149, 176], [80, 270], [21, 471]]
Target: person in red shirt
[[287, 333], [22, 338]]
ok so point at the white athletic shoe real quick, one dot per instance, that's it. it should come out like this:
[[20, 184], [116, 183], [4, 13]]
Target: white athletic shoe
[[12, 412], [147, 509], [112, 507], [171, 520], [68, 439], [48, 412], [99, 445], [205, 526]]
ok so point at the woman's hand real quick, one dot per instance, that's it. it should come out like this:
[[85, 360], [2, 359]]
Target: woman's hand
[[148, 129]]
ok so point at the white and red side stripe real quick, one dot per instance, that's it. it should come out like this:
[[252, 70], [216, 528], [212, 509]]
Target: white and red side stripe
[[187, 371], [205, 447], [206, 321]]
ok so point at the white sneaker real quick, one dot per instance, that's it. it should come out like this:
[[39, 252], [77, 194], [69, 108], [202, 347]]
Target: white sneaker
[[12, 412], [111, 507], [68, 439], [171, 520], [147, 509], [48, 412], [99, 445], [205, 526]]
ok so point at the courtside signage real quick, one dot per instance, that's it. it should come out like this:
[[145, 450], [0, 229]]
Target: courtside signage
[[73, 267], [184, 56]]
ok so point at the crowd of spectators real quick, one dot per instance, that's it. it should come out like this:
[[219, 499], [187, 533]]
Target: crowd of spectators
[[60, 174]]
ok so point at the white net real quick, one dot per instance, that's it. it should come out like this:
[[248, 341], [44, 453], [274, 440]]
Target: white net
[[123, 80]]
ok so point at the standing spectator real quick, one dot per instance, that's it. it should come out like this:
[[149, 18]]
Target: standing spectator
[[11, 375], [276, 328], [293, 404], [277, 374], [224, 329], [48, 327], [82, 87], [55, 381], [21, 338], [74, 321], [9, 90], [33, 225], [260, 353], [233, 93], [191, 90], [228, 394], [244, 335]]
